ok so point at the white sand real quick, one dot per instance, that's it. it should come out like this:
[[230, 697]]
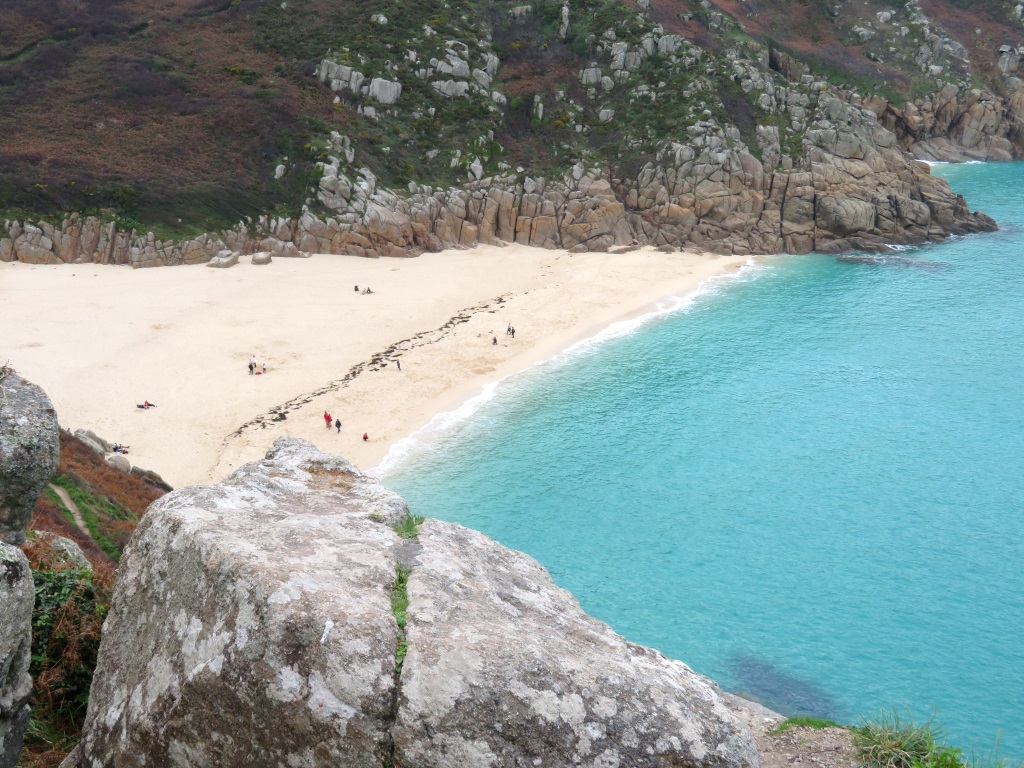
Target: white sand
[[100, 339]]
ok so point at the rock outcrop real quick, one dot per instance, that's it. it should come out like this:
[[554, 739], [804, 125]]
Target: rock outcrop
[[959, 124], [29, 451], [94, 441], [253, 624], [67, 551], [486, 619], [223, 260], [119, 462], [847, 184], [17, 598]]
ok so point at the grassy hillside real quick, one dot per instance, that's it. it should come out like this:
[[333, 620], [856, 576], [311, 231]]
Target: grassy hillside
[[71, 602], [176, 114]]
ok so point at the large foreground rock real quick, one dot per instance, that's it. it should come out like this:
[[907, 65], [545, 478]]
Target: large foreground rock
[[252, 626], [29, 452], [505, 668], [17, 597]]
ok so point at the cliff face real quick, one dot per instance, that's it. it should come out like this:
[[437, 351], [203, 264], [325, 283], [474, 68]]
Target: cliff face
[[277, 619], [28, 456], [956, 125], [854, 188], [587, 124]]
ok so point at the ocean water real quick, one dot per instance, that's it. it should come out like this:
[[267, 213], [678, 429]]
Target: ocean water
[[805, 483]]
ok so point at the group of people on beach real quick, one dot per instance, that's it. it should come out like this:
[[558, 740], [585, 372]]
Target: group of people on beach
[[252, 366], [331, 421], [510, 331], [365, 291]]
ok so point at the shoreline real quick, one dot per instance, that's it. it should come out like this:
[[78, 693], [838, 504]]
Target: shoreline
[[464, 402], [100, 339]]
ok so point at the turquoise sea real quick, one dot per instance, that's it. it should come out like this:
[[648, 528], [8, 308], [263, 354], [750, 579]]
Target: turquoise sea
[[805, 483]]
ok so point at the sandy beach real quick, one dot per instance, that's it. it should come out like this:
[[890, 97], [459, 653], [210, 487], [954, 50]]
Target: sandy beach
[[100, 339]]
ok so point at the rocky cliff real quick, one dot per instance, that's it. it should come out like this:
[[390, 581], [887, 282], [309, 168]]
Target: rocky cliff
[[854, 188], [28, 457], [584, 124], [278, 619]]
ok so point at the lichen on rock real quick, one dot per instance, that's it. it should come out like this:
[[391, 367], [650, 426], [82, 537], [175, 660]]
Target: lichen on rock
[[505, 668], [17, 597], [253, 625], [29, 452]]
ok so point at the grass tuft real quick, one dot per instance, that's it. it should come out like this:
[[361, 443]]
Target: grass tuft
[[409, 528], [893, 742], [399, 595], [399, 607], [805, 722]]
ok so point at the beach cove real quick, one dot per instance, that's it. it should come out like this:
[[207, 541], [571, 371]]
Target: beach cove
[[805, 484], [102, 339], [181, 338]]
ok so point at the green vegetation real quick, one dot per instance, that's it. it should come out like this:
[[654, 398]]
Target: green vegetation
[[194, 112], [893, 742], [399, 606], [59, 503], [109, 523], [71, 604], [409, 528], [805, 722]]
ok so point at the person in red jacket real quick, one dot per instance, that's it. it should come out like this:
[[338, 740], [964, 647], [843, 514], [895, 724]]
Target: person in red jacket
[[328, 419], [366, 436]]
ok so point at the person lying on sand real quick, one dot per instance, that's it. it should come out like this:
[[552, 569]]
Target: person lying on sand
[[146, 404]]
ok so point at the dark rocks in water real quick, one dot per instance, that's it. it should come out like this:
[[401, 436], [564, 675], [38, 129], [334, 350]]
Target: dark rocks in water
[[781, 691], [892, 260]]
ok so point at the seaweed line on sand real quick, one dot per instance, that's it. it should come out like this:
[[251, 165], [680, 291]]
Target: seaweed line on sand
[[375, 363]]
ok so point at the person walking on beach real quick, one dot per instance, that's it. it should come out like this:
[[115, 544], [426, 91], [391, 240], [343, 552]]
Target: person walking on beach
[[494, 341], [251, 367], [366, 436], [512, 330], [328, 419], [337, 423], [264, 367], [398, 363], [508, 330]]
